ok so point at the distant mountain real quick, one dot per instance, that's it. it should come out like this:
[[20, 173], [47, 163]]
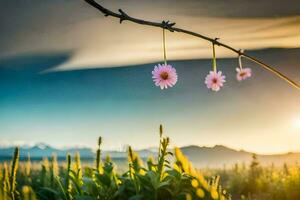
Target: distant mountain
[[219, 156], [216, 156], [43, 150]]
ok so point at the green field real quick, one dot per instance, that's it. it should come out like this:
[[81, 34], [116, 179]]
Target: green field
[[168, 176]]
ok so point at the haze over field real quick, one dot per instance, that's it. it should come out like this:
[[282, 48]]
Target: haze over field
[[201, 157]]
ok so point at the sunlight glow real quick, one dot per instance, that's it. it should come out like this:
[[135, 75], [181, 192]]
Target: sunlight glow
[[297, 123]]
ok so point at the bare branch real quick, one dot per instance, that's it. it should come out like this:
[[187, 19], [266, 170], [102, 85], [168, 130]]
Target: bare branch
[[171, 27]]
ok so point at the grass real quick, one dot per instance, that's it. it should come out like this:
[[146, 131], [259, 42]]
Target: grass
[[157, 179], [170, 175]]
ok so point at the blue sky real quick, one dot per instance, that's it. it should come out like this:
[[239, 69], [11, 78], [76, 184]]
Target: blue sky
[[67, 108]]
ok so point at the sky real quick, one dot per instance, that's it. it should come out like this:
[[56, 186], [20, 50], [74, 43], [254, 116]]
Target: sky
[[69, 75]]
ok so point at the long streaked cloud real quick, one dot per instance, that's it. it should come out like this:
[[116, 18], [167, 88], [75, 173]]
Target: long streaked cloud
[[35, 26]]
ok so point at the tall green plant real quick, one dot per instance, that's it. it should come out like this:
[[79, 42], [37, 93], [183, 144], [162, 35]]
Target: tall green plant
[[28, 170], [67, 178], [5, 182], [98, 155], [44, 173], [53, 170], [13, 174]]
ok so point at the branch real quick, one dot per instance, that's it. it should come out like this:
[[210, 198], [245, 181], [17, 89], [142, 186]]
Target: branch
[[171, 27]]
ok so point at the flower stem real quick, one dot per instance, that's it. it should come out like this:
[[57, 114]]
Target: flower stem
[[214, 59], [164, 46], [240, 62]]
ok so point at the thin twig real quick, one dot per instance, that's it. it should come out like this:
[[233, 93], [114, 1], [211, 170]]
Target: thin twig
[[171, 27]]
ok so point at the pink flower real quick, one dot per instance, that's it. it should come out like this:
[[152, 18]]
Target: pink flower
[[164, 76], [243, 73], [214, 80]]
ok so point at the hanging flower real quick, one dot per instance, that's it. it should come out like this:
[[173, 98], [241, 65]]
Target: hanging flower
[[164, 76], [243, 73], [214, 80]]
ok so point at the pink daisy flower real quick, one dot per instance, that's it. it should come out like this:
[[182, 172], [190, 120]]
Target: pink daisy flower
[[164, 76], [243, 73], [214, 80]]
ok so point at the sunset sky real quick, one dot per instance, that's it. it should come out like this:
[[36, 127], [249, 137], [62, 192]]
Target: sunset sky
[[68, 75]]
